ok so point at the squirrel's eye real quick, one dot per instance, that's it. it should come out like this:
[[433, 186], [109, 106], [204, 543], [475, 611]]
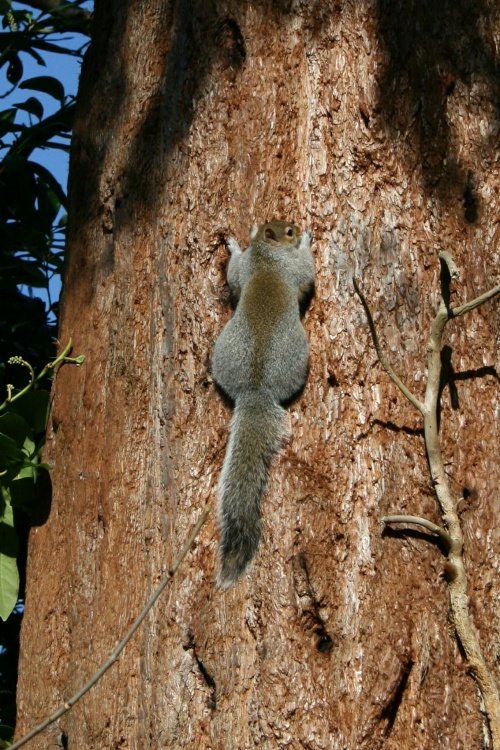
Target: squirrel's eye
[[289, 232]]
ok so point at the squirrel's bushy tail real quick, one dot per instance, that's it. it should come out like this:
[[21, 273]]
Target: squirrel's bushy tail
[[257, 431]]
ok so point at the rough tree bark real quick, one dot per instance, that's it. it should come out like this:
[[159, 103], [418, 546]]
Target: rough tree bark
[[374, 123]]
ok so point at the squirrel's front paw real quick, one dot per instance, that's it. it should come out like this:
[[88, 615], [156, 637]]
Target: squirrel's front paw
[[233, 246], [306, 239]]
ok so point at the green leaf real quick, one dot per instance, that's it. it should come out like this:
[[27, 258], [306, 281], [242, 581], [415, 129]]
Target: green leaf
[[40, 134], [30, 274], [16, 18], [8, 114], [32, 106], [6, 736], [14, 432], [33, 407], [22, 491], [37, 57], [30, 452], [7, 127], [15, 69], [46, 84], [55, 48], [14, 427], [48, 205], [49, 179], [10, 453], [7, 124], [9, 574]]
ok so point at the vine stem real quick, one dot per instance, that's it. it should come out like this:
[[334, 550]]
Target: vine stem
[[429, 409], [65, 707], [61, 359]]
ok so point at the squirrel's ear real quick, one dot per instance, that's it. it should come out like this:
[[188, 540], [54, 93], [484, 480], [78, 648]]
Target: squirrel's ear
[[253, 232]]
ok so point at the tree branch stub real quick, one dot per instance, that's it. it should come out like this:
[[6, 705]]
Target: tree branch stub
[[419, 521]]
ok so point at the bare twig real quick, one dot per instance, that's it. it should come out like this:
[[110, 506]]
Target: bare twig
[[382, 358], [459, 599], [121, 645], [457, 579], [419, 521], [456, 311]]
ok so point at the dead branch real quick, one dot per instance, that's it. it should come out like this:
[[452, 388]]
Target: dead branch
[[452, 533]]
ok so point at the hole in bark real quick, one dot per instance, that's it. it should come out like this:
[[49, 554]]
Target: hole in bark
[[332, 380], [469, 494], [324, 644]]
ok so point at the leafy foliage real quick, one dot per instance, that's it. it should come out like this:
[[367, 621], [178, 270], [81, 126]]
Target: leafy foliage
[[23, 420], [31, 199], [32, 236]]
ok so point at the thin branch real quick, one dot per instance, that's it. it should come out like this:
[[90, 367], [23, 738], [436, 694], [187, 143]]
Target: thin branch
[[459, 598], [453, 535], [382, 358], [419, 521], [121, 645], [468, 306]]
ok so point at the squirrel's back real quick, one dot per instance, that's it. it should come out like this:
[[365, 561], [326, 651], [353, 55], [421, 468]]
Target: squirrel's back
[[260, 360]]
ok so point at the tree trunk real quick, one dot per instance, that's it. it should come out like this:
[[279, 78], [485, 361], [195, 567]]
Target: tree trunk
[[373, 123]]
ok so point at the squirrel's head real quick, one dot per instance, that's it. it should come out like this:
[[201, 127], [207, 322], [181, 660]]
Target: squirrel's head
[[276, 233]]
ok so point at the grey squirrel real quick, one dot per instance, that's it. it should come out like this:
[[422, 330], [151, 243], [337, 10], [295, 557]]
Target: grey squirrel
[[260, 361]]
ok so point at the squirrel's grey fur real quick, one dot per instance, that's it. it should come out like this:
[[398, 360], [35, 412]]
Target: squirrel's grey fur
[[260, 360]]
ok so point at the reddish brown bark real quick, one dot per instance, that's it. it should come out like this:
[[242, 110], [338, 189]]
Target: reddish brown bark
[[373, 123]]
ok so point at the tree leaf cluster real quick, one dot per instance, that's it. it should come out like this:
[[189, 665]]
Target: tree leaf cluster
[[22, 427]]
